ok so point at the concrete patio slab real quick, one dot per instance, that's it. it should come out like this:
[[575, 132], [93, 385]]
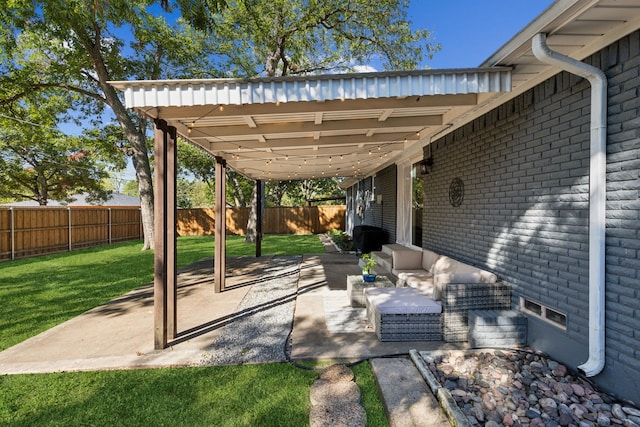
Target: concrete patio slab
[[119, 334]]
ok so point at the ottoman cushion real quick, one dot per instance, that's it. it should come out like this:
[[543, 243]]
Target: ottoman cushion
[[400, 301]]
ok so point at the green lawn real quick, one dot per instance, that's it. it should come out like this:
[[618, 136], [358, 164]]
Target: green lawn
[[252, 395], [249, 395], [41, 292]]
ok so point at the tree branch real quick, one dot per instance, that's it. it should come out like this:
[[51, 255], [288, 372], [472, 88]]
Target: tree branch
[[89, 76], [42, 86]]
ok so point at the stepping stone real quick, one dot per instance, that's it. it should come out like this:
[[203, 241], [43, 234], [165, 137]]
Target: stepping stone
[[405, 395]]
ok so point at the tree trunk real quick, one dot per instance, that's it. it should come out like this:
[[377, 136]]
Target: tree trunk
[[238, 195], [136, 138], [253, 218], [145, 190], [141, 164], [41, 190]]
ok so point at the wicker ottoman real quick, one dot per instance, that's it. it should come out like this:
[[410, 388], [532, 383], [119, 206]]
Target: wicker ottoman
[[403, 314]]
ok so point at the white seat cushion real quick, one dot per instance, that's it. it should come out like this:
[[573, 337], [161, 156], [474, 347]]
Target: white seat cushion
[[400, 301], [417, 279], [429, 258], [407, 260], [444, 264]]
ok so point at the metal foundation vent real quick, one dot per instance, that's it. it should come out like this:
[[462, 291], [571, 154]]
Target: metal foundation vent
[[543, 312]]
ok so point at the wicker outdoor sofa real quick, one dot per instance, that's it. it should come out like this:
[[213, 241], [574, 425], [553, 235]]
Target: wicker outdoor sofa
[[424, 278]]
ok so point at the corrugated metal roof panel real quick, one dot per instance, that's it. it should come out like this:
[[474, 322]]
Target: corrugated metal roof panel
[[321, 88]]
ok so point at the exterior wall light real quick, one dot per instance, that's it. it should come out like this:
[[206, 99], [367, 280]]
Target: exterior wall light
[[425, 166]]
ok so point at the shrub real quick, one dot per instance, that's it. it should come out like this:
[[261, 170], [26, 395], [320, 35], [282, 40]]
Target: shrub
[[342, 240]]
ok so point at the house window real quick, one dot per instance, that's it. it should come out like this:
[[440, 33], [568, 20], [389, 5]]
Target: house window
[[417, 205]]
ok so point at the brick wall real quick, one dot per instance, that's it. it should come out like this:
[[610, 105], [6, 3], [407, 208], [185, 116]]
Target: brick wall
[[524, 214]]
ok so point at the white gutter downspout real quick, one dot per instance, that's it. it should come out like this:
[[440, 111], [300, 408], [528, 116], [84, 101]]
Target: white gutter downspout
[[597, 196]]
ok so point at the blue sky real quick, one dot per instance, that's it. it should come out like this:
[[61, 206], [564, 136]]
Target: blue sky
[[470, 31]]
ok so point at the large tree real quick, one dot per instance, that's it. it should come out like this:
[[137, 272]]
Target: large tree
[[40, 163], [194, 161], [288, 37], [80, 45]]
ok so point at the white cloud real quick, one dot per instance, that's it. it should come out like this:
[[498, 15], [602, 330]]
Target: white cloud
[[364, 69]]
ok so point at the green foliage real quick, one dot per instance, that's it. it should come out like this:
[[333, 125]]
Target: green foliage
[[193, 160], [308, 189], [39, 163], [342, 240], [284, 37], [78, 46], [369, 262], [130, 188]]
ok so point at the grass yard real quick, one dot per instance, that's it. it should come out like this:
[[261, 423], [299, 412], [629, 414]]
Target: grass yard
[[252, 395], [230, 396], [41, 292]]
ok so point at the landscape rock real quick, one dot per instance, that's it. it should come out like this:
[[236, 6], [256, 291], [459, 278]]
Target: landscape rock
[[520, 388], [631, 411]]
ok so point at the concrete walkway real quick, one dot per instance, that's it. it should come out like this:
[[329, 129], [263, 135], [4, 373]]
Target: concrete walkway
[[119, 335]]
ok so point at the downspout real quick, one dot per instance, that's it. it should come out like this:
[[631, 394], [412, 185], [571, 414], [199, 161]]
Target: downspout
[[597, 196]]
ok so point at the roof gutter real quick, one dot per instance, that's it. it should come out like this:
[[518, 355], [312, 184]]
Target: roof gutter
[[597, 196]]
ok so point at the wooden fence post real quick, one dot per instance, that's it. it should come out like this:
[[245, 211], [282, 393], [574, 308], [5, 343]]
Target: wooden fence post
[[109, 226], [69, 222], [13, 233]]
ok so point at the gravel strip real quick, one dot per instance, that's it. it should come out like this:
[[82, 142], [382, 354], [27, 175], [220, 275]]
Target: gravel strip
[[263, 321]]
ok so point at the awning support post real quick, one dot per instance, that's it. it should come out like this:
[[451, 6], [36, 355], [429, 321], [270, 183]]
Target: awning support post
[[165, 237], [260, 216], [219, 260]]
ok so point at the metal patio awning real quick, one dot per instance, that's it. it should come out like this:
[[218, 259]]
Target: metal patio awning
[[283, 128]]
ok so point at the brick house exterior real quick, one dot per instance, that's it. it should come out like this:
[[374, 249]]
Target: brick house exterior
[[525, 209]]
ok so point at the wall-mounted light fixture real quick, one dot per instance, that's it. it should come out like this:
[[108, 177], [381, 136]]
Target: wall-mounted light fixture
[[425, 166]]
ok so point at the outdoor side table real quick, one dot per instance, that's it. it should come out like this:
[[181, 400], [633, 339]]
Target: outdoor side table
[[356, 284]]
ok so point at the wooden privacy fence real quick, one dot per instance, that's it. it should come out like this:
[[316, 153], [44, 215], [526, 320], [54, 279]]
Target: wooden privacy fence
[[276, 220], [33, 231], [29, 231]]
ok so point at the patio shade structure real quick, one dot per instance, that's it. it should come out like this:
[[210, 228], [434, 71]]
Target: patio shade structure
[[287, 128]]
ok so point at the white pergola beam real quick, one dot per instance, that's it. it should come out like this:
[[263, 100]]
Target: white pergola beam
[[327, 141], [417, 122]]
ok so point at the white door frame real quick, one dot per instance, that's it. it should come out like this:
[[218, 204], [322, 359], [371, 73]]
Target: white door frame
[[403, 208]]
